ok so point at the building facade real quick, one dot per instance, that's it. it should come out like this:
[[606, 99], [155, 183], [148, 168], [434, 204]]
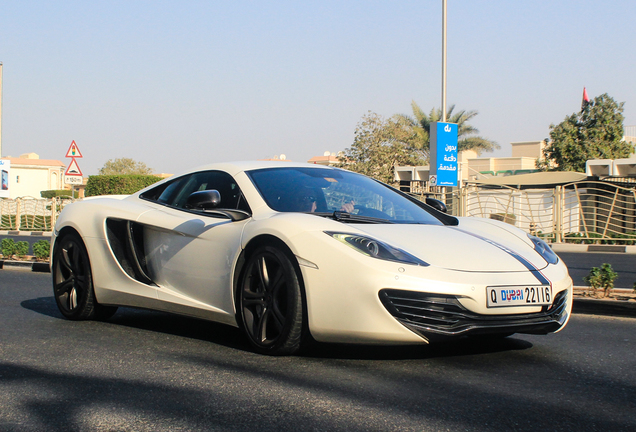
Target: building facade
[[28, 175]]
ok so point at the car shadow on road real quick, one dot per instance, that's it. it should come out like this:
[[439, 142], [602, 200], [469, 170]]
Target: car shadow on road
[[232, 337], [156, 321], [459, 347]]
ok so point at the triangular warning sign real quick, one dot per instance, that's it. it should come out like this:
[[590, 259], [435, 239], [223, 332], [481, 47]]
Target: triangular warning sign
[[73, 151], [73, 168]]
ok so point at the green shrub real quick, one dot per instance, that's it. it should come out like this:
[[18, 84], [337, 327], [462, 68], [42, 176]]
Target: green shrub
[[42, 249], [55, 193], [8, 248], [574, 238], [118, 184], [629, 238], [22, 249], [602, 277]]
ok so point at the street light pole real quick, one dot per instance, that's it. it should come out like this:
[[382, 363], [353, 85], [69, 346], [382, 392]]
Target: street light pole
[[0, 109], [443, 60]]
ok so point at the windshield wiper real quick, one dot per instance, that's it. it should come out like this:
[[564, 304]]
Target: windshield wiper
[[343, 216]]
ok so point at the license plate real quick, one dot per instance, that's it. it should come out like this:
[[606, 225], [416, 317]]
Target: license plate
[[537, 295]]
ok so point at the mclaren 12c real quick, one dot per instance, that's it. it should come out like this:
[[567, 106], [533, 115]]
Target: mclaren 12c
[[295, 252]]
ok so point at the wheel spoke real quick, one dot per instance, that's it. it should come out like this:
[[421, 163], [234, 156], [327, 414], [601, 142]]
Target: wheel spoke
[[261, 326], [255, 302], [76, 263], [263, 274], [65, 260], [277, 282], [277, 317], [64, 287], [72, 299]]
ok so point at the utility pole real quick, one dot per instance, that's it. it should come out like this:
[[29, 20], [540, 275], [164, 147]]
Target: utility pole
[[444, 61], [0, 109]]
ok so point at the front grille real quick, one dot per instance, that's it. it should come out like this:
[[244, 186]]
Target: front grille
[[436, 316]]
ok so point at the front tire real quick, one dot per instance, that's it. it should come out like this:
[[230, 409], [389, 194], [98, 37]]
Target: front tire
[[73, 281], [270, 305]]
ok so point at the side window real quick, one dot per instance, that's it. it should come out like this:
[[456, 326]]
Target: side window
[[176, 193], [165, 192], [169, 193]]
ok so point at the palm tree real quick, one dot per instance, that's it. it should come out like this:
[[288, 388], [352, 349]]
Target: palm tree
[[466, 140]]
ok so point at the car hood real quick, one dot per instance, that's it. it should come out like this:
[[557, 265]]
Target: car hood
[[470, 246]]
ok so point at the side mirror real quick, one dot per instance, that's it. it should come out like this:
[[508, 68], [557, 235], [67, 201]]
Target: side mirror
[[436, 204], [204, 200]]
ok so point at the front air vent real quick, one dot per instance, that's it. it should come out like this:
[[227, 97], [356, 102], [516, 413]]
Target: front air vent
[[437, 315]]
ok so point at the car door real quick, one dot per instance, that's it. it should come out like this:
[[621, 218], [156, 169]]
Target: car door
[[190, 253]]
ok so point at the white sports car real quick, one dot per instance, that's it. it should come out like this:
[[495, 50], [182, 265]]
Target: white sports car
[[290, 252]]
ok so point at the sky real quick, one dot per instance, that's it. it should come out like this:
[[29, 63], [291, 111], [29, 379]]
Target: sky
[[178, 84]]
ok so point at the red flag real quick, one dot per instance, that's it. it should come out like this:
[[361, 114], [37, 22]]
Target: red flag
[[586, 99]]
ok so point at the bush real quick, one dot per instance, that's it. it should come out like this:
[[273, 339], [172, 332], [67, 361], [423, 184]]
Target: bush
[[42, 249], [22, 249], [602, 278], [8, 248], [629, 238], [118, 184], [55, 193]]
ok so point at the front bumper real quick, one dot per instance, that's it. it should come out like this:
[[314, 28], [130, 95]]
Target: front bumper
[[439, 316]]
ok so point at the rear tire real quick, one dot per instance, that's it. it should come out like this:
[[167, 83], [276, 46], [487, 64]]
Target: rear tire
[[73, 281], [270, 306]]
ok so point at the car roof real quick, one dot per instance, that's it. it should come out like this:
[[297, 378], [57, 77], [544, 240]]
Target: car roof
[[234, 168]]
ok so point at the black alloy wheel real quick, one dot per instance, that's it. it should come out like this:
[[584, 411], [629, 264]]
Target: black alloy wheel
[[270, 302], [73, 281]]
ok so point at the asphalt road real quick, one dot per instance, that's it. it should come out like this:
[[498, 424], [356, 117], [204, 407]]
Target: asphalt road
[[149, 371]]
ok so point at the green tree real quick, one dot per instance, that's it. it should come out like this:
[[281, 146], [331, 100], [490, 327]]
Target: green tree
[[596, 132], [467, 138], [124, 166], [379, 145]]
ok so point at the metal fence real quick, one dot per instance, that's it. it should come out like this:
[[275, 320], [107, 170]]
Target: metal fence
[[30, 214], [584, 212]]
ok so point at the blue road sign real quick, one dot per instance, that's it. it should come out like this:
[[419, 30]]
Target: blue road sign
[[443, 154]]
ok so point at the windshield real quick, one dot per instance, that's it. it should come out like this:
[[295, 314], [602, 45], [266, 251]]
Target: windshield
[[324, 191]]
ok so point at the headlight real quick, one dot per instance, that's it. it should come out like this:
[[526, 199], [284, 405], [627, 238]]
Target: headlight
[[375, 248], [544, 250]]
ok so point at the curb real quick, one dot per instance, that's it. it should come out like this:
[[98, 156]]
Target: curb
[[616, 308], [26, 233], [39, 267]]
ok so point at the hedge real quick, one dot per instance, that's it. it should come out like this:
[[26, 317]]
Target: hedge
[[56, 193], [118, 184]]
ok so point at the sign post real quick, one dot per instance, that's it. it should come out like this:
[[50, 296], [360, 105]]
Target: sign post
[[443, 154], [73, 175]]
